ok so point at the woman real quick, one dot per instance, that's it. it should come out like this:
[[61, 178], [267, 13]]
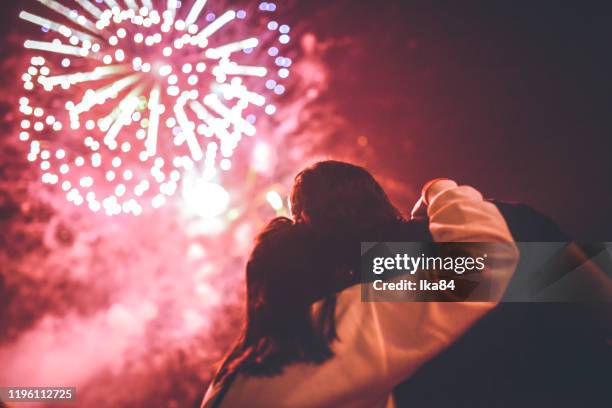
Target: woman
[[306, 346], [281, 287]]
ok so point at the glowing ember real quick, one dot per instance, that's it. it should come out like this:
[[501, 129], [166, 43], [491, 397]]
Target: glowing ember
[[127, 97]]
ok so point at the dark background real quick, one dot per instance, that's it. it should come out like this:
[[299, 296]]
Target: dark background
[[513, 97]]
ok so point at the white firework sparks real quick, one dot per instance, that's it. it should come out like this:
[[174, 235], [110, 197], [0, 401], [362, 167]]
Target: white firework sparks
[[125, 96]]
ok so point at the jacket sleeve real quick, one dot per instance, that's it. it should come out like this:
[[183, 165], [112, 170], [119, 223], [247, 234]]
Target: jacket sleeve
[[385, 342]]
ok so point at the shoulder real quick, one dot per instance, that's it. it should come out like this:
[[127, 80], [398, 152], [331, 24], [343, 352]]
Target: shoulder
[[528, 224]]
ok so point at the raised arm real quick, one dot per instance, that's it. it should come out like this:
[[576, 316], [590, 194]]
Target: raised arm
[[387, 341]]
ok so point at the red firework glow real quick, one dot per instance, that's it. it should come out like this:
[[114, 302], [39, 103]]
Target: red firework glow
[[133, 310], [100, 297]]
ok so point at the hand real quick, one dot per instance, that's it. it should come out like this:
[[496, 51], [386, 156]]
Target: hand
[[429, 191]]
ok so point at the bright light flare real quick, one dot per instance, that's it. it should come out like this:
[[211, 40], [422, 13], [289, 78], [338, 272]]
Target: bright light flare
[[204, 199], [275, 200]]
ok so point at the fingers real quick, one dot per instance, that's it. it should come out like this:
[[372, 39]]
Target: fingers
[[419, 210], [434, 187], [430, 190]]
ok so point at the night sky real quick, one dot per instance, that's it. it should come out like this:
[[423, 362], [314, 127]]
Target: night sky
[[514, 98]]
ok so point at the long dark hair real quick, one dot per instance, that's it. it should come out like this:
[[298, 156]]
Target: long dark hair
[[282, 283], [338, 194], [345, 205]]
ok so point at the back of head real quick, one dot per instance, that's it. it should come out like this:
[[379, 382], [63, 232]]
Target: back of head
[[345, 205], [332, 194], [281, 274], [282, 283]]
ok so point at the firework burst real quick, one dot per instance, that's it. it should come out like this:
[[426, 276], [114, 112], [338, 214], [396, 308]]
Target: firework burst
[[123, 98]]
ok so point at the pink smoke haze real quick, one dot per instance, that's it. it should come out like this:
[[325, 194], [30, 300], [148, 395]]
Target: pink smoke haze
[[134, 310]]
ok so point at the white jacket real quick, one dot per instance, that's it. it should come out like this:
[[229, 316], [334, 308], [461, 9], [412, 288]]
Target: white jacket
[[382, 343]]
